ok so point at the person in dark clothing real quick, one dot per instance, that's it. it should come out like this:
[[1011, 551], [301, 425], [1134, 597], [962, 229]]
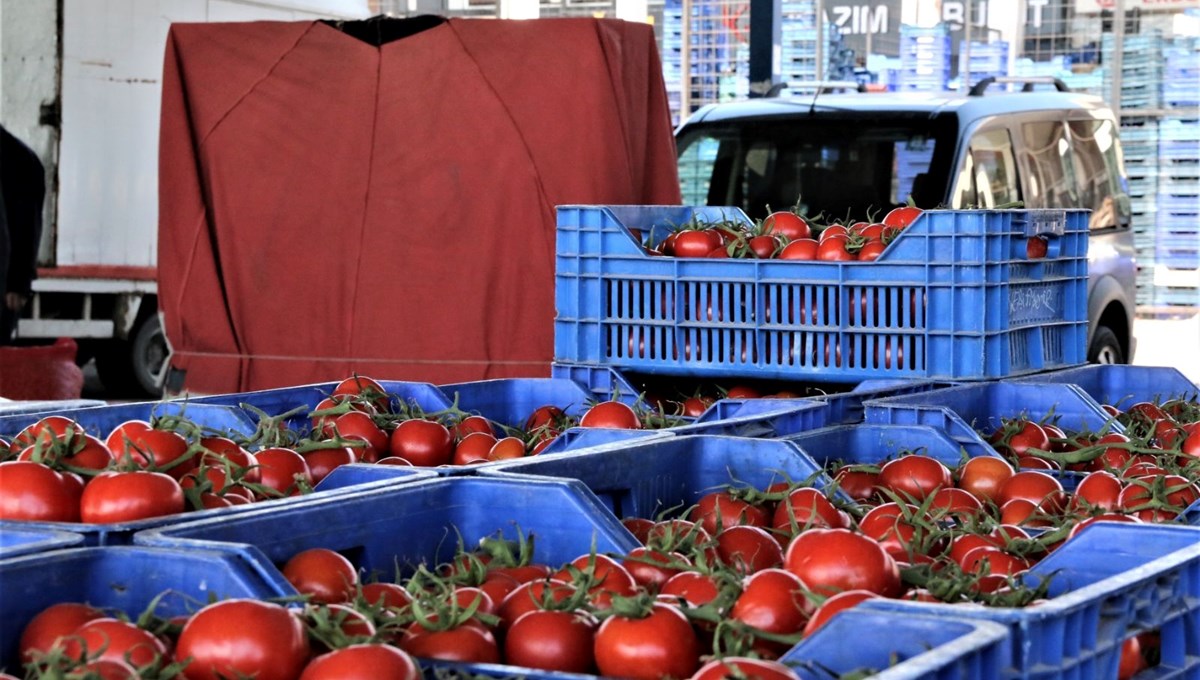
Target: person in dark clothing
[[22, 192]]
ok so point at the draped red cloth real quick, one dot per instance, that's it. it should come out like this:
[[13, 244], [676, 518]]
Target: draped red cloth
[[329, 206]]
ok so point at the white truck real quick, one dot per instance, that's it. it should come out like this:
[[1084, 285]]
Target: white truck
[[80, 83]]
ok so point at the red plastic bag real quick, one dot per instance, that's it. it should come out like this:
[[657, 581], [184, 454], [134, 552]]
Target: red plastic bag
[[44, 372]]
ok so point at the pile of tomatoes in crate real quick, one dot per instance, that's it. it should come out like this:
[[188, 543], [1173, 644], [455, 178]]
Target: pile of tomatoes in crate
[[55, 471], [786, 235]]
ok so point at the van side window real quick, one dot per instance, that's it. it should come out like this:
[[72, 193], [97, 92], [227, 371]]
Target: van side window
[[1095, 156], [696, 170], [988, 176], [1047, 159]]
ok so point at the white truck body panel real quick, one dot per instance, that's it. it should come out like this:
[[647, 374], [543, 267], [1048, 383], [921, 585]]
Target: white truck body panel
[[111, 94]]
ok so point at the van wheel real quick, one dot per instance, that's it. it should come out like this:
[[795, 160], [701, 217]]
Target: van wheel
[[1105, 348], [135, 367]]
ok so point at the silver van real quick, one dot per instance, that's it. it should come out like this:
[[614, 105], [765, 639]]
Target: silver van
[[850, 155]]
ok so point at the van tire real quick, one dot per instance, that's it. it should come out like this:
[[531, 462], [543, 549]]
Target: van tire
[[1105, 347]]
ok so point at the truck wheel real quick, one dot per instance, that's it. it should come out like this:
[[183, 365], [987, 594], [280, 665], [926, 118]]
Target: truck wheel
[[135, 367], [1105, 349]]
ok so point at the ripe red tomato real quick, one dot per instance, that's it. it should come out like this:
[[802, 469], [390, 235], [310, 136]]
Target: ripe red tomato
[[528, 596], [389, 595], [692, 587], [365, 387], [901, 217], [221, 452], [773, 600], [1031, 485], [652, 568], [833, 560], [1035, 247], [838, 603], [87, 452], [607, 574], [808, 507], [1115, 457], [871, 250], [661, 644], [954, 502], [424, 443], [358, 425], [552, 641], [860, 485], [469, 643], [508, 448], [473, 448], [989, 559], [744, 667], [243, 638], [283, 470], [108, 638], [158, 450], [983, 476], [323, 461], [34, 492], [611, 414], [1028, 435], [833, 231], [730, 511], [788, 224], [914, 477], [833, 249], [749, 549], [362, 662], [127, 496], [800, 249], [548, 417], [763, 247], [47, 430], [327, 577], [52, 623], [1098, 489], [695, 243]]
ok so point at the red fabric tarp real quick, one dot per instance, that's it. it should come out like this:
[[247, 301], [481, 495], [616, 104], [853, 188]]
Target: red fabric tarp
[[327, 206]]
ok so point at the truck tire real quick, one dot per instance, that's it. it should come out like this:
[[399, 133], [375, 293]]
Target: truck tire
[[1105, 348], [135, 367]]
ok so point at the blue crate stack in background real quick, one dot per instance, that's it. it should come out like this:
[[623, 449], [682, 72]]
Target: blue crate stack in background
[[924, 59]]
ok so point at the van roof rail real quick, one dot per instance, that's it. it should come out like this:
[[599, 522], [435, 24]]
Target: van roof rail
[[821, 86], [978, 89]]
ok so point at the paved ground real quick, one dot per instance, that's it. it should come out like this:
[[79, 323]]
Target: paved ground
[[1169, 341]]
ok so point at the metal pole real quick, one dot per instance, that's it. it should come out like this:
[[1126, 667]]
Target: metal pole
[[1117, 56], [685, 61], [820, 68], [764, 40], [964, 79]]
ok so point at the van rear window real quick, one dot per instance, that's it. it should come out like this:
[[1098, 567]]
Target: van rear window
[[839, 169]]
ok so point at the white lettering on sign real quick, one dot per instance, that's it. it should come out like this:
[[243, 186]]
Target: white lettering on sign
[[1097, 6], [860, 19], [1036, 9], [955, 13]]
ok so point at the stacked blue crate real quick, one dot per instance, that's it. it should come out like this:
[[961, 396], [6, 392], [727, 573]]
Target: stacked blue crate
[[798, 42], [986, 60], [1141, 68], [924, 58], [1139, 141], [1181, 86], [1177, 241]]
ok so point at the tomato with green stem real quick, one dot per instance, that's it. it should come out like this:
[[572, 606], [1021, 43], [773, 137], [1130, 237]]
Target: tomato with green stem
[[243, 638]]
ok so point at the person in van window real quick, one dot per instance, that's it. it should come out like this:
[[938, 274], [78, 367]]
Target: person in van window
[[22, 192]]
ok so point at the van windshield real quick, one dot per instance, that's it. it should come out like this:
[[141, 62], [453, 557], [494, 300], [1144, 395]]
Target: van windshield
[[851, 167]]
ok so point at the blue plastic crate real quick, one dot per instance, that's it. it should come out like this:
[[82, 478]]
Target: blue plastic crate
[[281, 400], [122, 533], [1121, 385], [874, 444], [17, 539], [953, 295], [959, 411], [99, 421], [384, 529], [1111, 581], [914, 647], [12, 408], [847, 407], [125, 579], [643, 479]]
